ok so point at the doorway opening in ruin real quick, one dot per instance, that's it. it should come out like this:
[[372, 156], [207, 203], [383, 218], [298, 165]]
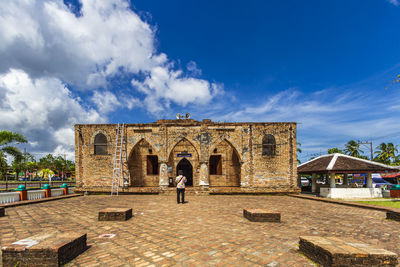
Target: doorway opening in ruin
[[143, 165], [224, 165], [184, 154], [187, 169]]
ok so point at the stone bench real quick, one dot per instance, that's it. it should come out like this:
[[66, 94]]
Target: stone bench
[[47, 249], [393, 215], [115, 214], [261, 215], [2, 212], [334, 251]]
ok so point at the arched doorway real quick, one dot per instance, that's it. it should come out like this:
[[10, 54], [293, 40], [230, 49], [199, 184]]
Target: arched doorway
[[224, 165], [184, 154], [143, 165], [187, 169]]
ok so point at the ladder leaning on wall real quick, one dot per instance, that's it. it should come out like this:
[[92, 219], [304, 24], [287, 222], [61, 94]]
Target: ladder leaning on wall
[[117, 170]]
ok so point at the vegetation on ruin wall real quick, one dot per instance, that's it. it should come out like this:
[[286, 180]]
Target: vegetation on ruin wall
[[26, 163]]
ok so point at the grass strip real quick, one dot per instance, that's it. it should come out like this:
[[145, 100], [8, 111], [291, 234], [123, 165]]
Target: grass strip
[[389, 204]]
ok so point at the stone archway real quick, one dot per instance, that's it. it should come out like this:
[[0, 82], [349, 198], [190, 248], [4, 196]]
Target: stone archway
[[183, 154], [187, 169], [224, 165], [143, 165]]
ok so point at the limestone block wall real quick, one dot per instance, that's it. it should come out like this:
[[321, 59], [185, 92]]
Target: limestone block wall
[[240, 146], [93, 170], [278, 170]]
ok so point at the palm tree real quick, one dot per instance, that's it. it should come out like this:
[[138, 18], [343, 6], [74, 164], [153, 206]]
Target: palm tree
[[334, 150], [7, 138], [386, 153], [298, 152], [352, 148]]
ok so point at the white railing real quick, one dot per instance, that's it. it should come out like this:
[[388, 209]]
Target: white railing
[[57, 192], [9, 197], [36, 194], [71, 190]]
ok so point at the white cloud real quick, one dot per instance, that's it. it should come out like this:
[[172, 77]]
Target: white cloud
[[107, 101], [46, 38], [165, 85], [45, 48], [394, 2], [192, 67], [42, 109]]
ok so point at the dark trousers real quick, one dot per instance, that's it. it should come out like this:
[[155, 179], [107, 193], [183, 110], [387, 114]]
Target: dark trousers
[[180, 191]]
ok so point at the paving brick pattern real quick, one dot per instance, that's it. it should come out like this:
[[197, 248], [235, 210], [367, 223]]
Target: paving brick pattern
[[208, 230]]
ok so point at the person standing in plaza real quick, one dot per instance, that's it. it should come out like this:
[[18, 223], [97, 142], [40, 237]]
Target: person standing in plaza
[[180, 186]]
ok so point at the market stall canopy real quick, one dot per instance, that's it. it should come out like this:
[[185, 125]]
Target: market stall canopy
[[392, 175], [339, 163]]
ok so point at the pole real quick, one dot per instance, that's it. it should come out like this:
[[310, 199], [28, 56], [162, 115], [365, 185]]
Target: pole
[[25, 164], [372, 151], [368, 143]]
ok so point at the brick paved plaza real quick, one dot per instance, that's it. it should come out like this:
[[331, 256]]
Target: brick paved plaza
[[208, 230]]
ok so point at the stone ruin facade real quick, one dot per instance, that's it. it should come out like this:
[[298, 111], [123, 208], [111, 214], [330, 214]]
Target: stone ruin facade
[[238, 156]]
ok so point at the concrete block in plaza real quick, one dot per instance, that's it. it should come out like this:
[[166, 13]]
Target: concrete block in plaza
[[115, 214], [46, 249], [334, 251], [261, 215], [2, 212], [393, 215]]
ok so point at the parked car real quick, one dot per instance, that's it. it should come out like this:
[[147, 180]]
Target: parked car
[[381, 183]]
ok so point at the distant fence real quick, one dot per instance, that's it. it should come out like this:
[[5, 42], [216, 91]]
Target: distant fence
[[10, 197], [33, 184]]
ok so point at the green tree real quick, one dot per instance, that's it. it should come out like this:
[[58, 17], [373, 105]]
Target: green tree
[[7, 139], [32, 166], [352, 148], [18, 165], [3, 166], [334, 150], [386, 153], [396, 161], [47, 162], [46, 173], [298, 152]]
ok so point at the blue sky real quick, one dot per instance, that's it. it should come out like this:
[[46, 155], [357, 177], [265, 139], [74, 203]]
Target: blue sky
[[326, 65]]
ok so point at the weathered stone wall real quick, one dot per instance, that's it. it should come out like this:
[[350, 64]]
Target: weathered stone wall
[[139, 169], [230, 162], [238, 144]]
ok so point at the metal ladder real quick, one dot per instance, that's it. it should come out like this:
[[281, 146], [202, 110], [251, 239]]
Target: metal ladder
[[117, 170]]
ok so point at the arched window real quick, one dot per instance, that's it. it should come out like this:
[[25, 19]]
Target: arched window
[[100, 144], [268, 145]]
